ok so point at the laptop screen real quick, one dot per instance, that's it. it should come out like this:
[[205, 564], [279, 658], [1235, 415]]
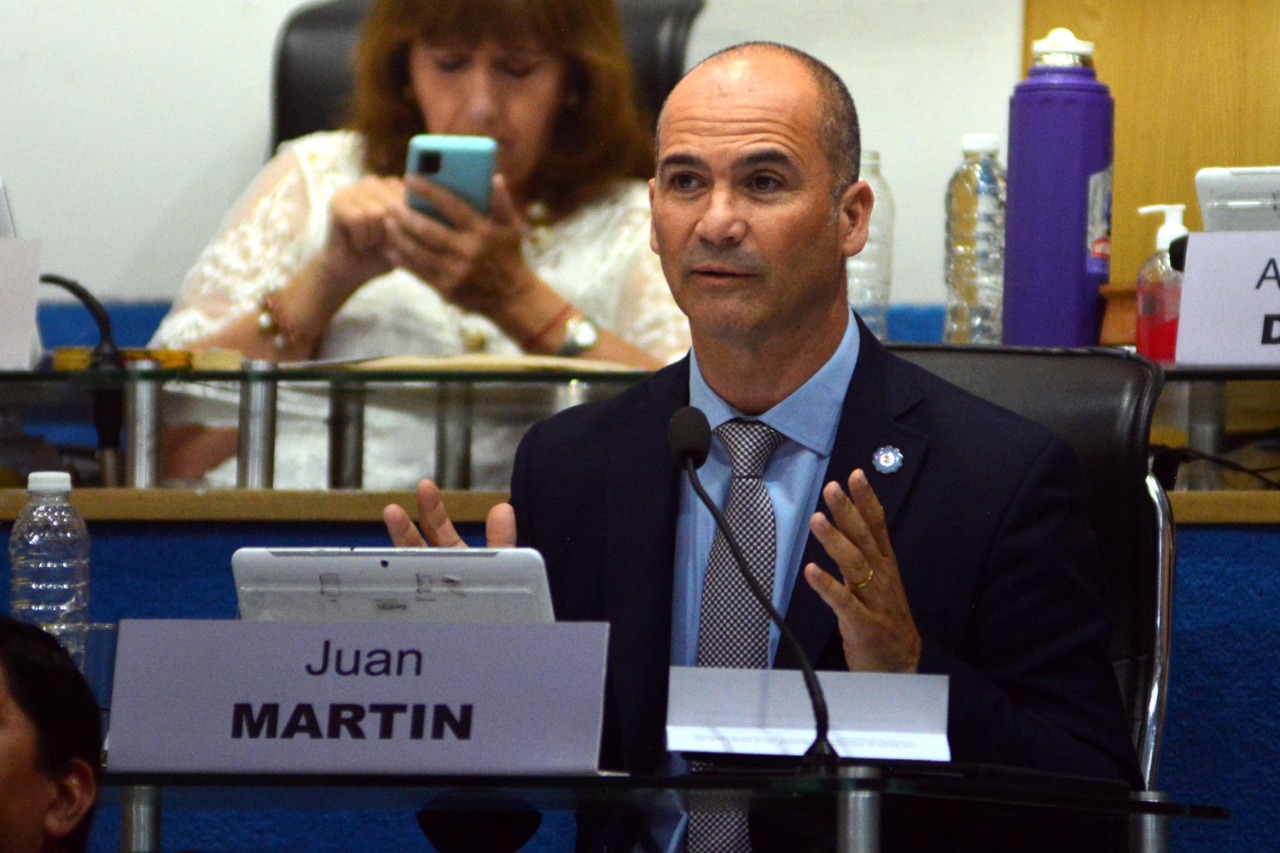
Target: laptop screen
[[443, 585], [6, 215], [1239, 199]]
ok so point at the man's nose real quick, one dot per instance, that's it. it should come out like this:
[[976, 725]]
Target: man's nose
[[721, 221]]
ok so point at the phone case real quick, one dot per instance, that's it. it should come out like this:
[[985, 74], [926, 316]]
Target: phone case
[[461, 164]]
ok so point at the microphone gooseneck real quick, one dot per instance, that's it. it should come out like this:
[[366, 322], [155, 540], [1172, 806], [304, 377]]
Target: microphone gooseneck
[[689, 438], [106, 353], [108, 401]]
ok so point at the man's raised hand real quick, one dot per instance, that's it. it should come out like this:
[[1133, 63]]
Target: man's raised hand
[[435, 530]]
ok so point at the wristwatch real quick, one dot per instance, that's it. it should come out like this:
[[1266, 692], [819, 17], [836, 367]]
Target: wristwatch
[[580, 335]]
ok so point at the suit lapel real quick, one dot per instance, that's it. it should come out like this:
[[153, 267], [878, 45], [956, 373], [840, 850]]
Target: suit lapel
[[879, 395], [641, 495]]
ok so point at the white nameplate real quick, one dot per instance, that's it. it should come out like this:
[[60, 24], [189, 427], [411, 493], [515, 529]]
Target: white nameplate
[[1230, 314], [767, 712], [242, 697]]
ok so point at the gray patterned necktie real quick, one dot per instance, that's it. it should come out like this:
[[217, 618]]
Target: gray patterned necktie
[[733, 629]]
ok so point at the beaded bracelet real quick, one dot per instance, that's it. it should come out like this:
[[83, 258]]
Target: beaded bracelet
[[282, 337]]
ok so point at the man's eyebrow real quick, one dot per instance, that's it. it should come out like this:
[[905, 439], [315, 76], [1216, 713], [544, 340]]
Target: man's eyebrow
[[771, 157], [680, 160]]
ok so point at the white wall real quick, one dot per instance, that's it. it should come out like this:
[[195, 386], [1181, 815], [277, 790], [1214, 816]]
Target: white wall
[[922, 73], [127, 128]]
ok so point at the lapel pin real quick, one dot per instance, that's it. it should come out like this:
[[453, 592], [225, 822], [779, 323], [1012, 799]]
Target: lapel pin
[[887, 459]]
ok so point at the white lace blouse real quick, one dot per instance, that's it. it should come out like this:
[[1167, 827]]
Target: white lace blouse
[[598, 258]]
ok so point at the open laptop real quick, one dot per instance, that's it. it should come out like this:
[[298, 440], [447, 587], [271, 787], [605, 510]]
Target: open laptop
[[8, 230], [6, 215], [1239, 199], [441, 585]]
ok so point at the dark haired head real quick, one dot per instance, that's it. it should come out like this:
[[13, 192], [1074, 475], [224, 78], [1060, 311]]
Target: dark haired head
[[602, 138], [48, 688]]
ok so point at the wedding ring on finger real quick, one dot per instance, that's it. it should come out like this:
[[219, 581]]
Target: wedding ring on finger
[[870, 575]]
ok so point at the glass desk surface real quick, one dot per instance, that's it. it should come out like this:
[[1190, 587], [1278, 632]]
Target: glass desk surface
[[923, 780]]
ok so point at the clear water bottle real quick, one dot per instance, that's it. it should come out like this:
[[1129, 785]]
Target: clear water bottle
[[975, 244], [49, 561], [870, 272]]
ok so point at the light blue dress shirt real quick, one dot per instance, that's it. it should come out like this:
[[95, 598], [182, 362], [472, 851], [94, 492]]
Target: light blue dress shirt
[[794, 478]]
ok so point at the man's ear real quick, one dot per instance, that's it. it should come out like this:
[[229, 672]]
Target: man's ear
[[653, 234], [854, 212], [75, 793]]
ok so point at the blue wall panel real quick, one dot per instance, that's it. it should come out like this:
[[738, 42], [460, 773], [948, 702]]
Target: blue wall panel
[[133, 323], [1221, 745], [68, 324], [1223, 736]]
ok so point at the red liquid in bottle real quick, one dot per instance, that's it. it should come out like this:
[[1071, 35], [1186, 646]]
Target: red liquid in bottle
[[1157, 338]]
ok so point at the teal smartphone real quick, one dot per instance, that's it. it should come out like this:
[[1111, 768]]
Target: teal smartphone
[[461, 164]]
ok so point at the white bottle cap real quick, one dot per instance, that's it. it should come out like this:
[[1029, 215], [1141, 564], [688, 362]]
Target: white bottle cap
[[1172, 228], [980, 143], [1061, 40], [48, 481]]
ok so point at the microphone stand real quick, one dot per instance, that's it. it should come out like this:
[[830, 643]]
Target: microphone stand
[[820, 759], [108, 403]]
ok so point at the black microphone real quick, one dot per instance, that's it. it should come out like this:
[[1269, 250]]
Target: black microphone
[[689, 438]]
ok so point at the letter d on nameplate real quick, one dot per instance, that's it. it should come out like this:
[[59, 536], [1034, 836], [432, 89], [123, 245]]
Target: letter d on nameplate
[[202, 696]]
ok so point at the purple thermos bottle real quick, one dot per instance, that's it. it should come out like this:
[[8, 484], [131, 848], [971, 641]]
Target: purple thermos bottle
[[1058, 210]]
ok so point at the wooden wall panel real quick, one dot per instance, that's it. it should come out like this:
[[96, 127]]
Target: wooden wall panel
[[1196, 84]]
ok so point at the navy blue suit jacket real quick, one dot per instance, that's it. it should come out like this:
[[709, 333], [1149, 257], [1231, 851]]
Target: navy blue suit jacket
[[986, 516]]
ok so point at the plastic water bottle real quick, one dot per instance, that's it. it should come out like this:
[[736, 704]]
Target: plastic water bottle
[[49, 561], [975, 244], [1058, 231], [870, 272]]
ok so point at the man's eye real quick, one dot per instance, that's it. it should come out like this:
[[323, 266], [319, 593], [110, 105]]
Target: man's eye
[[683, 181], [764, 183]]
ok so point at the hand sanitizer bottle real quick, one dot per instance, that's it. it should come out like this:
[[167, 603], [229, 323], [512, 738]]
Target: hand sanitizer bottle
[[1160, 289]]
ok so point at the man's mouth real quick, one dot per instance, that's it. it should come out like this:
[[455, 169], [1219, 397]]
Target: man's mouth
[[720, 271]]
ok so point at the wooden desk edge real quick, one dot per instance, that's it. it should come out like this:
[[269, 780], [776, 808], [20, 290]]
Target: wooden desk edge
[[277, 505], [1189, 508], [1228, 507]]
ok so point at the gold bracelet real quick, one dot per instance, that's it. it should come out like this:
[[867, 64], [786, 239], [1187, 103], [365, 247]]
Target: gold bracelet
[[282, 337]]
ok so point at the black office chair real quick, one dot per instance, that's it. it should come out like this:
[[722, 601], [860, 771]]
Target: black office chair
[[313, 77], [1101, 402]]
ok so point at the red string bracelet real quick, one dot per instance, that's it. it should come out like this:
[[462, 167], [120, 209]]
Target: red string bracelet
[[561, 316]]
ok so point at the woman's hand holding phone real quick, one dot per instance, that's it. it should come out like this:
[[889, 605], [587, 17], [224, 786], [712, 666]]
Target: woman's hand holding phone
[[450, 221], [473, 261], [358, 216]]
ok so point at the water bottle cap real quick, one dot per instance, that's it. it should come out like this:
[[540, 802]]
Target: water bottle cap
[[1061, 40], [48, 481], [980, 143]]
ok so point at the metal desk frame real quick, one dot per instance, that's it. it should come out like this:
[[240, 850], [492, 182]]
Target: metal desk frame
[[859, 789]]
